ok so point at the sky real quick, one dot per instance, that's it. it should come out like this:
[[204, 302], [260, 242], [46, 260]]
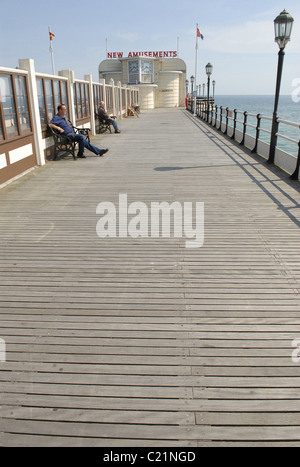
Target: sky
[[238, 37]]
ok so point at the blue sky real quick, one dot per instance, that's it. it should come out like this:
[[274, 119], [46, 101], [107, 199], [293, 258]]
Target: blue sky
[[239, 37]]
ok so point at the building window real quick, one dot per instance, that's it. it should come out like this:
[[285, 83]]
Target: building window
[[15, 117], [51, 93], [109, 99], [41, 100], [49, 98], [22, 100], [146, 71], [57, 93], [81, 100], [64, 95], [140, 71], [133, 72], [9, 107], [98, 95]]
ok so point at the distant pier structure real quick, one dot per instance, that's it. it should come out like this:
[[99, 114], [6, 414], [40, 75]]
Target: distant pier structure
[[160, 76]]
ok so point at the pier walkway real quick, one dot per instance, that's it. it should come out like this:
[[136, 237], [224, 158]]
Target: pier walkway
[[143, 342]]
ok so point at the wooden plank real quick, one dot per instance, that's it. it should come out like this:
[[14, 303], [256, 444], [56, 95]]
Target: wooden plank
[[142, 342]]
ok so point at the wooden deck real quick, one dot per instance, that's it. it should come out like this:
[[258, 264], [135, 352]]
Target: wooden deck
[[142, 342]]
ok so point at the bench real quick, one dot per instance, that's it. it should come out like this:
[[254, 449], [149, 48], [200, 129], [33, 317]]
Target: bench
[[82, 131], [103, 125], [62, 143]]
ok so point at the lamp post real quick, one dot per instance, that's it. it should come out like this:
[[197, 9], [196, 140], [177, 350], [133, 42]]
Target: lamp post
[[203, 89], [283, 30], [214, 87], [209, 70], [192, 84], [186, 87]]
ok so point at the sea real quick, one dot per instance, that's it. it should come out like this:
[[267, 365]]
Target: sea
[[288, 110]]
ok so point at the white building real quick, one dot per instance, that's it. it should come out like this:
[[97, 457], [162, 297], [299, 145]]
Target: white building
[[160, 76]]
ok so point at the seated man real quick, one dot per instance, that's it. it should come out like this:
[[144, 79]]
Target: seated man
[[60, 124], [103, 116]]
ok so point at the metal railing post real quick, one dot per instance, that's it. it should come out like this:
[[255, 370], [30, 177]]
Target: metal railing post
[[221, 118], [234, 124], [212, 113], [215, 124], [254, 150], [273, 143], [227, 114], [244, 128]]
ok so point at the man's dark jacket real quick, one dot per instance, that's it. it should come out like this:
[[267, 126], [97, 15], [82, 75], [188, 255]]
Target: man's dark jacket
[[102, 114]]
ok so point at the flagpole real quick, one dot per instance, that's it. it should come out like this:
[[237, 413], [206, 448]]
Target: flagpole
[[196, 69], [51, 52]]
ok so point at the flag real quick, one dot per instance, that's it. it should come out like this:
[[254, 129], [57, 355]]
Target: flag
[[51, 35], [199, 34]]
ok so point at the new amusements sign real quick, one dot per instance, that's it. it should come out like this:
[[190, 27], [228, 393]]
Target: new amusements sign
[[162, 54]]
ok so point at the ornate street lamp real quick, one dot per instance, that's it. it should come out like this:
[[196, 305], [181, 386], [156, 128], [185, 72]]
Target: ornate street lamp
[[209, 70], [283, 30], [192, 79], [192, 83], [187, 87], [214, 87]]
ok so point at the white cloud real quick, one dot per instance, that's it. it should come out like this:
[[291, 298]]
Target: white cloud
[[252, 37]]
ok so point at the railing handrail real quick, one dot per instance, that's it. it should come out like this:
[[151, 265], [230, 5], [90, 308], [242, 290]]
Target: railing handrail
[[264, 117], [286, 122], [17, 71], [208, 112], [48, 76]]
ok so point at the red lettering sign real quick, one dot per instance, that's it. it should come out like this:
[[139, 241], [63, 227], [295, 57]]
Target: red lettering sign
[[162, 54]]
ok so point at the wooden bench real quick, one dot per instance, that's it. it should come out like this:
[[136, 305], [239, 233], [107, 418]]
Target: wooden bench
[[62, 143], [103, 125]]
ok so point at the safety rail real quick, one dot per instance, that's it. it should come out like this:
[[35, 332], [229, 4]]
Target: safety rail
[[220, 118]]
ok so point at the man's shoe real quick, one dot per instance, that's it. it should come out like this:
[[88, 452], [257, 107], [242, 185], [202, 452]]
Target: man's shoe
[[102, 152], [81, 156], [118, 131]]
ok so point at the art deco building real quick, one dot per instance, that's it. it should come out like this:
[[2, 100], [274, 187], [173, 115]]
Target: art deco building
[[160, 79]]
